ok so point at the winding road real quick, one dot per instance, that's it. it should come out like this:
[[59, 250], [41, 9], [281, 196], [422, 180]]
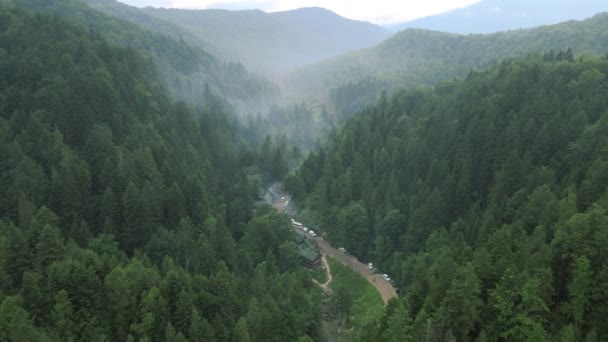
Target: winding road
[[386, 290], [384, 287]]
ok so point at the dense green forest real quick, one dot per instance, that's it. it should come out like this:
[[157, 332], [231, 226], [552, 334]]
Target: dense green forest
[[125, 215], [296, 129], [131, 164], [421, 57], [484, 198], [186, 70]]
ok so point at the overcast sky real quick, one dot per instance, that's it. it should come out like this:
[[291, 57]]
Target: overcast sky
[[377, 11]]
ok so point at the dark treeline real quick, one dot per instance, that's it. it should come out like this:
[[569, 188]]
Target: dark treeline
[[286, 132], [124, 215], [484, 198], [350, 98]]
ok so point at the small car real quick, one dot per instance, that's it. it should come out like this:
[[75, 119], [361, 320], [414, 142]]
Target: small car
[[312, 233], [386, 277], [370, 266], [305, 229], [342, 249]]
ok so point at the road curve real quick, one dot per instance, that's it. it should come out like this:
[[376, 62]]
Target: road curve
[[384, 287], [387, 291]]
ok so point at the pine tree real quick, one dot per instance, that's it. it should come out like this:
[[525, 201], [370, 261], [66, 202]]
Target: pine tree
[[399, 325], [136, 227], [18, 256], [459, 310], [279, 166], [241, 331], [580, 290], [62, 317], [200, 329], [183, 311], [48, 248]]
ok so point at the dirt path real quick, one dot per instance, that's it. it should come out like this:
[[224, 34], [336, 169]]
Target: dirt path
[[385, 289], [325, 285]]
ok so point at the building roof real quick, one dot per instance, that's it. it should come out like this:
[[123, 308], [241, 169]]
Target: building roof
[[308, 254], [307, 248]]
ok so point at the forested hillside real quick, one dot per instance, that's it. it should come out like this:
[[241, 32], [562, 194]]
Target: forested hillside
[[274, 42], [485, 199], [422, 57], [124, 215], [186, 71], [270, 43]]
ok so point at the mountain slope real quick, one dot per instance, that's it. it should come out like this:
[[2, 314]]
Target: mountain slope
[[485, 199], [138, 16], [499, 15], [274, 41], [186, 70], [422, 57]]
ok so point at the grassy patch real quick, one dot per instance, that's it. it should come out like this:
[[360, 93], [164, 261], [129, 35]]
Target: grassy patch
[[320, 274], [367, 303]]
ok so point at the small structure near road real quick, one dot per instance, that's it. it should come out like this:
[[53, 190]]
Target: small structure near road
[[274, 193], [308, 250]]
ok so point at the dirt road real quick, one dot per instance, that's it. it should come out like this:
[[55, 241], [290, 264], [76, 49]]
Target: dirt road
[[384, 287]]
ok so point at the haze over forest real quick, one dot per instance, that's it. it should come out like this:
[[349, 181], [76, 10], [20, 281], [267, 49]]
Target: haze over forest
[[176, 174]]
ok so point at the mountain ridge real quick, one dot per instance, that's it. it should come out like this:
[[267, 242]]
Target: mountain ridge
[[417, 57], [277, 41], [490, 16]]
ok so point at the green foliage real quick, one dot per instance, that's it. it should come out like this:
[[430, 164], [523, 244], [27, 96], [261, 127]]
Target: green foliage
[[399, 324], [62, 317], [320, 274], [241, 331], [15, 323], [287, 132], [483, 198], [579, 289], [124, 215], [358, 296]]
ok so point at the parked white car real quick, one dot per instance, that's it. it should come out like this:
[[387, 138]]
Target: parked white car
[[342, 249], [312, 233], [305, 229], [386, 277], [370, 266]]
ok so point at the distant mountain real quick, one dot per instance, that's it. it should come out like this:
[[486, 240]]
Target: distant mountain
[[272, 42], [490, 16], [423, 57]]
